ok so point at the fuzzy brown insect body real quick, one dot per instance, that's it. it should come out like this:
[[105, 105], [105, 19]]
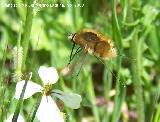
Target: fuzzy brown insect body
[[93, 42]]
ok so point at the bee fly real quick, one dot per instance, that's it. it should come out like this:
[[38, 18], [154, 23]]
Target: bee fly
[[94, 43]]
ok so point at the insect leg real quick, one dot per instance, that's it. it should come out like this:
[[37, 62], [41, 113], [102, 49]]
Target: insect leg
[[71, 53], [105, 65], [83, 58], [123, 56], [82, 62], [79, 49]]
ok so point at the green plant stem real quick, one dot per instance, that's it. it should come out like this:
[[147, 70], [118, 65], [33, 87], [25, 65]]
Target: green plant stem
[[120, 89], [107, 88], [135, 45], [31, 119], [75, 15], [157, 114], [92, 98], [19, 103], [2, 86], [136, 54], [154, 100], [27, 30], [25, 43]]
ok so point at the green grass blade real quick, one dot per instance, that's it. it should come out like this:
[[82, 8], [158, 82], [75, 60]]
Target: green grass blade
[[120, 89]]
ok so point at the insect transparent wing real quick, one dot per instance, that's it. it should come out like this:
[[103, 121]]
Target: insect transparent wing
[[70, 99]]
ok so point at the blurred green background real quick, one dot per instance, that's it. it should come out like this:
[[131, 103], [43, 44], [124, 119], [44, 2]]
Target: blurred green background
[[110, 93]]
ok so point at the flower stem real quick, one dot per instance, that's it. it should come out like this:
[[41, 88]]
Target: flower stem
[[136, 54], [27, 30], [19, 103], [31, 118], [135, 45], [25, 43]]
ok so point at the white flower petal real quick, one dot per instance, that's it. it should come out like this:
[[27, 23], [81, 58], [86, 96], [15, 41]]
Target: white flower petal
[[20, 118], [31, 89], [48, 111], [48, 75]]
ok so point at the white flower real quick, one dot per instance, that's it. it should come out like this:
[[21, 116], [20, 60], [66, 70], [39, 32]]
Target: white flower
[[48, 110], [20, 118]]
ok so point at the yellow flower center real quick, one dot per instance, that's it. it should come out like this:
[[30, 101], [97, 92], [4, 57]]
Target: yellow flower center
[[47, 89], [64, 116]]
